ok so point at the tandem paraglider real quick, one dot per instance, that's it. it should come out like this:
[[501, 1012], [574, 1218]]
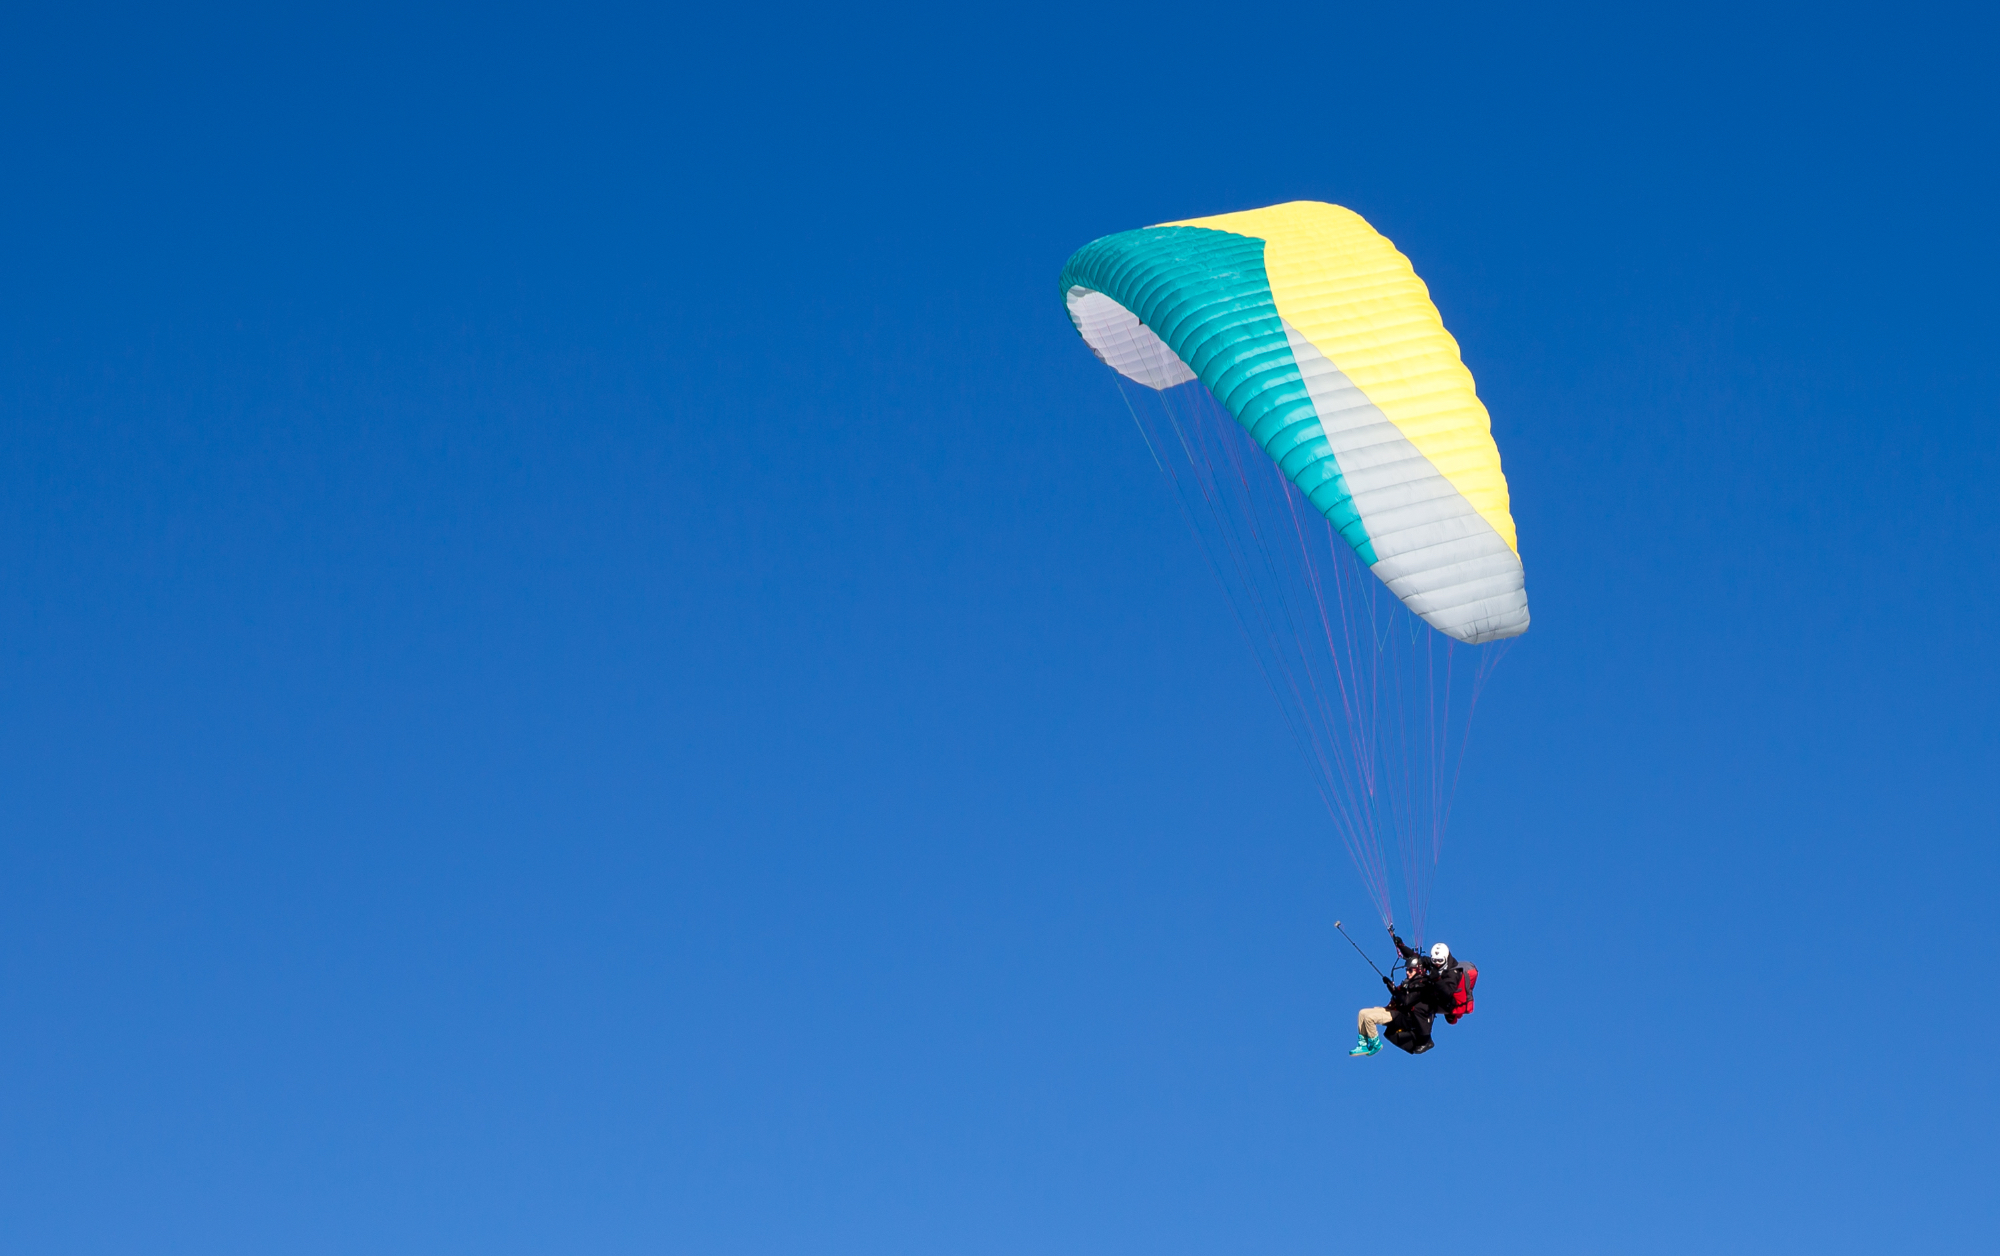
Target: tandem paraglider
[[1433, 985], [1298, 389]]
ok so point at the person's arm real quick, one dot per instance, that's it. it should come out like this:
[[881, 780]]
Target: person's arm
[[1404, 951]]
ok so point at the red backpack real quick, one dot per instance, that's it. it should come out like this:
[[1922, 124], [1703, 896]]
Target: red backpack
[[1461, 998]]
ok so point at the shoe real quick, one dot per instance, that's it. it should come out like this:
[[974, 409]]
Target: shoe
[[1364, 1045]]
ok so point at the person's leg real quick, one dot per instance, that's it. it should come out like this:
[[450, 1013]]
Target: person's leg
[[1371, 1020]]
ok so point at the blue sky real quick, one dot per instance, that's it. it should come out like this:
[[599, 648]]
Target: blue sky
[[587, 664]]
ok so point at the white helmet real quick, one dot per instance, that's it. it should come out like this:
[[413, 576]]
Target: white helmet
[[1440, 953]]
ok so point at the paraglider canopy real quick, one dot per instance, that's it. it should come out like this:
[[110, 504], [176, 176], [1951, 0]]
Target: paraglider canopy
[[1316, 334]]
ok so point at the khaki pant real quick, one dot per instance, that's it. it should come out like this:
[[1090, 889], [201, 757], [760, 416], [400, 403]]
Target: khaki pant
[[1372, 1019]]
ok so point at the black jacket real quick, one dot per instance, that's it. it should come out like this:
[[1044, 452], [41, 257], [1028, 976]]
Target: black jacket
[[1435, 985], [1421, 994], [1411, 1011], [1427, 993]]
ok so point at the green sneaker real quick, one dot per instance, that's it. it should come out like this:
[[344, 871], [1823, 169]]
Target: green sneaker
[[1364, 1045]]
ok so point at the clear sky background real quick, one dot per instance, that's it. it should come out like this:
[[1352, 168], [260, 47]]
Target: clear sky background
[[588, 665]]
